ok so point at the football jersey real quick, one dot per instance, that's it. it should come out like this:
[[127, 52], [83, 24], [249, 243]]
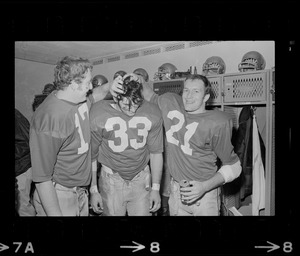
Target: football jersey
[[123, 143], [60, 142], [194, 141]]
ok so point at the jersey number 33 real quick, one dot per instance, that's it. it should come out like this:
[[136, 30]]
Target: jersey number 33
[[122, 132]]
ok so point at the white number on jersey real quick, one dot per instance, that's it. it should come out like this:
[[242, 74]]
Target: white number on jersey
[[191, 128], [84, 146], [141, 132], [121, 132]]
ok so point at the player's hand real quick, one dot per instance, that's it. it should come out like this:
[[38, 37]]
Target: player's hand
[[116, 87], [96, 202], [147, 86], [134, 77], [194, 192], [155, 200]]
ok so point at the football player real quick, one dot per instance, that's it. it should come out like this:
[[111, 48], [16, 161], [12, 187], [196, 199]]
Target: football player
[[60, 141], [165, 181], [196, 137], [125, 134]]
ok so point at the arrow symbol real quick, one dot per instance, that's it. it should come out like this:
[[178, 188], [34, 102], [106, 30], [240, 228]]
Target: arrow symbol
[[3, 247], [137, 247], [272, 247]]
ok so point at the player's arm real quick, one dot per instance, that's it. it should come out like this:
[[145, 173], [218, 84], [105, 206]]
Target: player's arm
[[147, 91], [96, 140], [116, 86], [100, 92], [48, 196], [156, 164], [231, 166], [96, 199], [227, 173], [230, 172], [43, 150]]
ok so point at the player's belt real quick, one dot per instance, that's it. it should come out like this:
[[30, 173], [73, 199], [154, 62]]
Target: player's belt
[[110, 171], [55, 184]]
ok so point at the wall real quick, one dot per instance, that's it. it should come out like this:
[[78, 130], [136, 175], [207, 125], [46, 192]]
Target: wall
[[30, 77], [231, 52]]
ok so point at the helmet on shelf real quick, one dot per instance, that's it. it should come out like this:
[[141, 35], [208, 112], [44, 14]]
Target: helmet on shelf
[[119, 73], [99, 80], [214, 65], [252, 61], [165, 72], [142, 72]]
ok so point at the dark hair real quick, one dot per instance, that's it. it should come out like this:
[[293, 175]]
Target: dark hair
[[38, 99], [48, 88], [70, 68], [132, 91], [206, 82]]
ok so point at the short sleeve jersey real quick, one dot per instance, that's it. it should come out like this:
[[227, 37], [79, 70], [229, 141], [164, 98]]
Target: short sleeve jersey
[[60, 142], [194, 141], [122, 142]]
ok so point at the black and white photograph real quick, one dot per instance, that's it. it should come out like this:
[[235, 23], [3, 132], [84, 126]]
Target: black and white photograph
[[145, 128]]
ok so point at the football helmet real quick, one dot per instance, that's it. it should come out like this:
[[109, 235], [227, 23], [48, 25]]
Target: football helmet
[[252, 61], [99, 80], [142, 72], [165, 72], [214, 65], [119, 73]]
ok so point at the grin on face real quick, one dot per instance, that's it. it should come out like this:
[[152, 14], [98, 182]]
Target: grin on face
[[194, 97]]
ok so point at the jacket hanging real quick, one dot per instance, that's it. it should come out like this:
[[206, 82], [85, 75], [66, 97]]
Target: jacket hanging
[[258, 174], [242, 140]]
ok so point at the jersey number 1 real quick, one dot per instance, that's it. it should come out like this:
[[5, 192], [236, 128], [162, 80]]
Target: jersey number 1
[[84, 146]]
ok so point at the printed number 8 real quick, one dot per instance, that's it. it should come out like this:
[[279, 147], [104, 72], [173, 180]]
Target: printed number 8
[[154, 247], [287, 247]]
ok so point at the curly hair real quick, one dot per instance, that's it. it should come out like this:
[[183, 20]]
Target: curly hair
[[70, 68]]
